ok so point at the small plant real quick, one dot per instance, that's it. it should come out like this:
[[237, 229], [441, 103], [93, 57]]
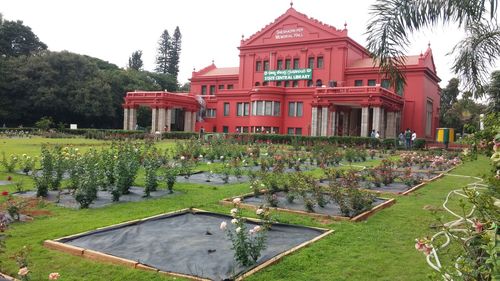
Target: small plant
[[90, 180], [127, 165], [186, 168], [27, 163], [272, 199], [256, 186], [170, 176], [224, 171], [9, 163], [21, 258], [372, 153], [151, 162], [247, 243]]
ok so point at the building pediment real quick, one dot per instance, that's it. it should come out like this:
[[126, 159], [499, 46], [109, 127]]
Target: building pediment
[[292, 27]]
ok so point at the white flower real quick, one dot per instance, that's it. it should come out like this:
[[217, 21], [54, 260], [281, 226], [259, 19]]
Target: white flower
[[259, 212], [237, 200], [257, 228], [234, 211], [222, 157], [183, 158], [238, 230], [201, 156], [209, 163], [23, 271], [223, 225], [234, 221]]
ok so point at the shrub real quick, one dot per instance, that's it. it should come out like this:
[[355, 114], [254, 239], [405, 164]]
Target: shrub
[[9, 163], [419, 144]]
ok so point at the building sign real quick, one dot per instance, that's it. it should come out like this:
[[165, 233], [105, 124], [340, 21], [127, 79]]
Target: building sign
[[289, 33], [288, 74]]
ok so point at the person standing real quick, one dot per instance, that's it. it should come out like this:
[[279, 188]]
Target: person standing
[[408, 138], [413, 138], [401, 139]]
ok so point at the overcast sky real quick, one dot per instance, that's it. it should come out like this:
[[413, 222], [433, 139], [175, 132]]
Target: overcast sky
[[211, 30]]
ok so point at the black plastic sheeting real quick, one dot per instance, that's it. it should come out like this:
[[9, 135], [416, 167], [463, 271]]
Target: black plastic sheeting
[[104, 198], [188, 243], [331, 209]]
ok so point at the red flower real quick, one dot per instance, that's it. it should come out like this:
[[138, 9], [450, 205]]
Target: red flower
[[9, 178], [5, 193], [478, 226]]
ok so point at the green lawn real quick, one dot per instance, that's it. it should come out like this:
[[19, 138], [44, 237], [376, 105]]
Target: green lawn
[[381, 248]]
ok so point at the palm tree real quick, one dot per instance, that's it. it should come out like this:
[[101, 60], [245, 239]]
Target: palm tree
[[393, 21]]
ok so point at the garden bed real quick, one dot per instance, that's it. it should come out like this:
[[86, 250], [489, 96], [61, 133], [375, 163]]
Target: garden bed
[[201, 178], [104, 198], [186, 243], [331, 209]]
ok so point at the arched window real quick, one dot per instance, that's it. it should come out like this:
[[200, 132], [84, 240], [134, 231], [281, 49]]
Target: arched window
[[319, 83]]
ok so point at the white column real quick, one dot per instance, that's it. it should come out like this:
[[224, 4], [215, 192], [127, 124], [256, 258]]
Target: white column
[[364, 121], [193, 121], [132, 118], [376, 119], [333, 123], [187, 121], [391, 125], [161, 119], [314, 121], [125, 119], [324, 121], [154, 118], [169, 119]]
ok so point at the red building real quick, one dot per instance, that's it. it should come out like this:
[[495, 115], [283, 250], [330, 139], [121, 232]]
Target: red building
[[300, 76]]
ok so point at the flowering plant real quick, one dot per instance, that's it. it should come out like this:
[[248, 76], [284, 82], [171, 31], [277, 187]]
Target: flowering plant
[[170, 175], [9, 163], [151, 162], [247, 243]]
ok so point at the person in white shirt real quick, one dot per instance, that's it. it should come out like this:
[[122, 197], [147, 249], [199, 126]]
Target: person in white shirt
[[413, 137]]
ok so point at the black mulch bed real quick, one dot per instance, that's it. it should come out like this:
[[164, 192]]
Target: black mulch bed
[[187, 243], [201, 178], [104, 198], [330, 209]]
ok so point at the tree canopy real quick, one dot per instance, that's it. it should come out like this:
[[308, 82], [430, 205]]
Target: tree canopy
[[17, 39], [393, 21], [135, 60]]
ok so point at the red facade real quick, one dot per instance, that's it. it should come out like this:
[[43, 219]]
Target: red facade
[[300, 76]]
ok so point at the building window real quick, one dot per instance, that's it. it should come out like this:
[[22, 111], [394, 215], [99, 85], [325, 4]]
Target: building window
[[298, 131], [310, 62], [266, 108], [291, 131], [295, 109], [242, 109], [385, 83], [204, 90], [280, 64], [226, 109], [288, 63], [319, 83], [210, 113], [400, 87], [212, 89], [295, 63], [278, 83], [258, 66], [358, 83], [266, 65], [320, 62], [428, 121], [225, 129], [287, 83], [230, 86], [295, 84], [310, 83], [221, 87], [372, 82], [257, 84]]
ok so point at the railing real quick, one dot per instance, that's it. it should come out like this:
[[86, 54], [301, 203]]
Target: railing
[[357, 90]]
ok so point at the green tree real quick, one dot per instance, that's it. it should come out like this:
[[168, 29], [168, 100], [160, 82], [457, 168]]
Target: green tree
[[493, 92], [17, 39], [164, 51], [449, 96], [175, 52], [393, 21], [135, 61]]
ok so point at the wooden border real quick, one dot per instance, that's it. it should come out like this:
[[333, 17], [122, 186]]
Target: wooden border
[[359, 217], [102, 257]]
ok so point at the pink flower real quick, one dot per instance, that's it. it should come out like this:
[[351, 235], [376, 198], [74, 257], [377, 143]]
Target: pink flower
[[257, 228], [419, 245], [427, 249], [54, 276], [259, 212], [223, 225], [23, 271], [237, 200], [478, 226]]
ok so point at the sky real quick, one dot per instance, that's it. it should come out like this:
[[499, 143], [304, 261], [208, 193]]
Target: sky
[[211, 30]]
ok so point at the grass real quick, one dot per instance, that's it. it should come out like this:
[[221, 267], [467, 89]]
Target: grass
[[381, 248]]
